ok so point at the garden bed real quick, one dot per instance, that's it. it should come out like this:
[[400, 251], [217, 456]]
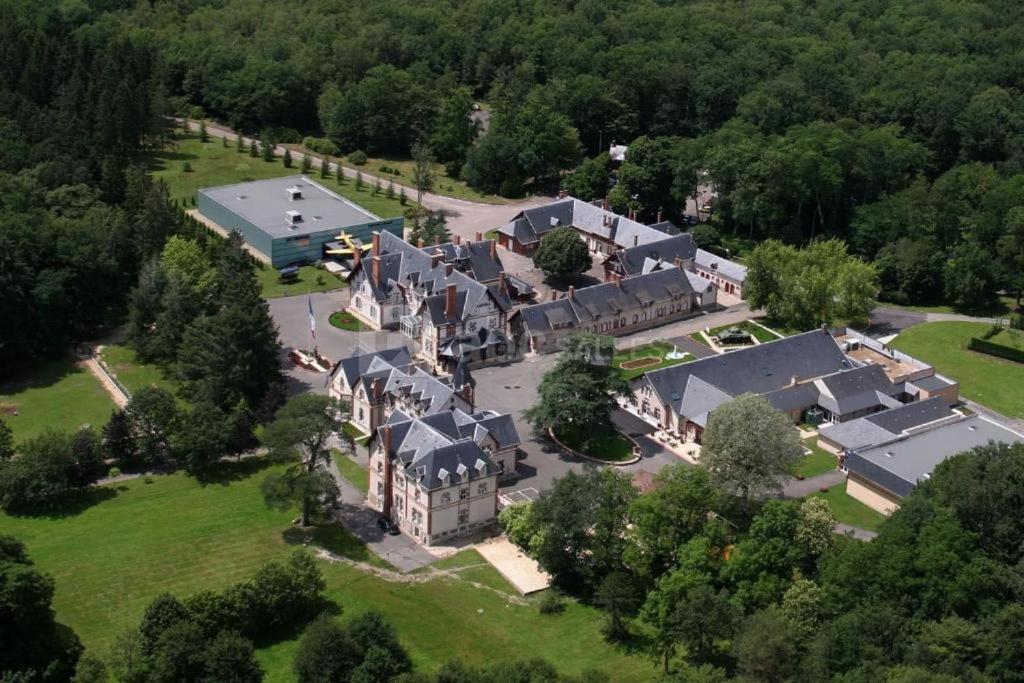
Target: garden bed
[[638, 363], [344, 320], [634, 362]]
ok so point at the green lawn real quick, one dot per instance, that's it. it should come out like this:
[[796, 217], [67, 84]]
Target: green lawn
[[443, 184], [756, 331], [58, 394], [214, 165], [654, 349], [991, 381], [819, 461], [353, 471], [611, 448], [1007, 337], [357, 434], [310, 279], [699, 338], [344, 320], [137, 540], [133, 373], [849, 510]]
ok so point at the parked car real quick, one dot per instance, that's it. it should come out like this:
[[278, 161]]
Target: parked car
[[690, 220], [387, 526]]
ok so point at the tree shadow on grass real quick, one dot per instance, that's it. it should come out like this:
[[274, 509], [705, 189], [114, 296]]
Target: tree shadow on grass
[[227, 472], [293, 631], [70, 505], [332, 537]]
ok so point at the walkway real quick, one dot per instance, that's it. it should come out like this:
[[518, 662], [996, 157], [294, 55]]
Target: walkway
[[119, 397], [465, 217]]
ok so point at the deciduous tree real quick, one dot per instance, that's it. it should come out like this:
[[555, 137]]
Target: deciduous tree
[[562, 254]]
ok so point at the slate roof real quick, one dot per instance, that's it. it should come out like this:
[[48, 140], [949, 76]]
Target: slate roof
[[759, 369], [730, 269], [449, 441], [856, 389], [354, 366], [898, 465], [608, 299], [885, 425], [633, 260], [931, 383], [473, 258], [531, 225], [404, 265]]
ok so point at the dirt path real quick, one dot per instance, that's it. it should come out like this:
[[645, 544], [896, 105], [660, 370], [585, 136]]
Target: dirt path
[[118, 396], [429, 574]]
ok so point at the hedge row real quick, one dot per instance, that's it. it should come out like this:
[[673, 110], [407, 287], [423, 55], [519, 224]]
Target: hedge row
[[993, 349]]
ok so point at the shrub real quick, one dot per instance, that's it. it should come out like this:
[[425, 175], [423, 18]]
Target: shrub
[[982, 345], [511, 188], [321, 146], [551, 602], [358, 157], [186, 167], [45, 472]]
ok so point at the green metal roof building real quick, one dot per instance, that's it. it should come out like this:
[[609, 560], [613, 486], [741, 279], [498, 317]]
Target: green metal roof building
[[289, 219]]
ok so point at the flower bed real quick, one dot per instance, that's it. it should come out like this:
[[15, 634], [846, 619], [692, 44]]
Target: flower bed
[[344, 320]]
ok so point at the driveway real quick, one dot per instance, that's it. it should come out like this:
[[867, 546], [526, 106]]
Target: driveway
[[401, 551]]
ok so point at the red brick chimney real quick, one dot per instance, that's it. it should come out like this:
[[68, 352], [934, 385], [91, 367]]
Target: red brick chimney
[[436, 257], [448, 268], [659, 216], [502, 284], [561, 194], [457, 239], [479, 237], [375, 250], [449, 302], [357, 256], [437, 240], [678, 262], [604, 204], [376, 270], [569, 294], [554, 294], [377, 389], [419, 243], [492, 247]]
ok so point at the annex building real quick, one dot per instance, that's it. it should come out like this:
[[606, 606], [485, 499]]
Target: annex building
[[290, 219]]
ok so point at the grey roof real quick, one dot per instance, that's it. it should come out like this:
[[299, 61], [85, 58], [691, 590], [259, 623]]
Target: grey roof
[[354, 366], [473, 258], [265, 204], [404, 265], [931, 383], [792, 398], [700, 398], [898, 465], [608, 299], [853, 390], [885, 425], [730, 269], [531, 225], [759, 369], [449, 442], [632, 259]]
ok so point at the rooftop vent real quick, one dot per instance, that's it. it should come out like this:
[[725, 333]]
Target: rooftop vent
[[889, 454], [973, 428], [294, 193], [554, 222], [241, 197], [293, 217]]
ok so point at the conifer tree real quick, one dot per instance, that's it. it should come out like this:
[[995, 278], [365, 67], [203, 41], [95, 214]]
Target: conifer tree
[[376, 187], [359, 181], [287, 158], [203, 135], [254, 149], [306, 163], [325, 168], [391, 189], [239, 143], [268, 149], [403, 198]]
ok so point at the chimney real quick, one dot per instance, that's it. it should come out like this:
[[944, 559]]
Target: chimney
[[554, 294], [437, 240], [375, 250], [636, 240], [561, 194], [493, 248], [376, 270], [449, 302], [678, 262], [569, 294], [419, 243], [502, 285], [659, 215], [793, 380], [436, 257], [604, 204], [448, 269], [632, 215], [457, 239], [387, 439], [378, 389], [479, 237], [357, 256]]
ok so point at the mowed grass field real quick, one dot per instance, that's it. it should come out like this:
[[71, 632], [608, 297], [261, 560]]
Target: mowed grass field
[[213, 164], [58, 394], [111, 555], [310, 280], [993, 382], [133, 373], [849, 510]]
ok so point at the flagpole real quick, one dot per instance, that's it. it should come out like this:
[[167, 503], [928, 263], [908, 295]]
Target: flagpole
[[309, 305]]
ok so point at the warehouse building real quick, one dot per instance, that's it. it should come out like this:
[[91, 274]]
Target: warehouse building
[[290, 219]]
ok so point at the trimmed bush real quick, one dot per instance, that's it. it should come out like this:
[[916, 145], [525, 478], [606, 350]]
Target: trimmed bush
[[358, 157], [321, 146], [999, 350]]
